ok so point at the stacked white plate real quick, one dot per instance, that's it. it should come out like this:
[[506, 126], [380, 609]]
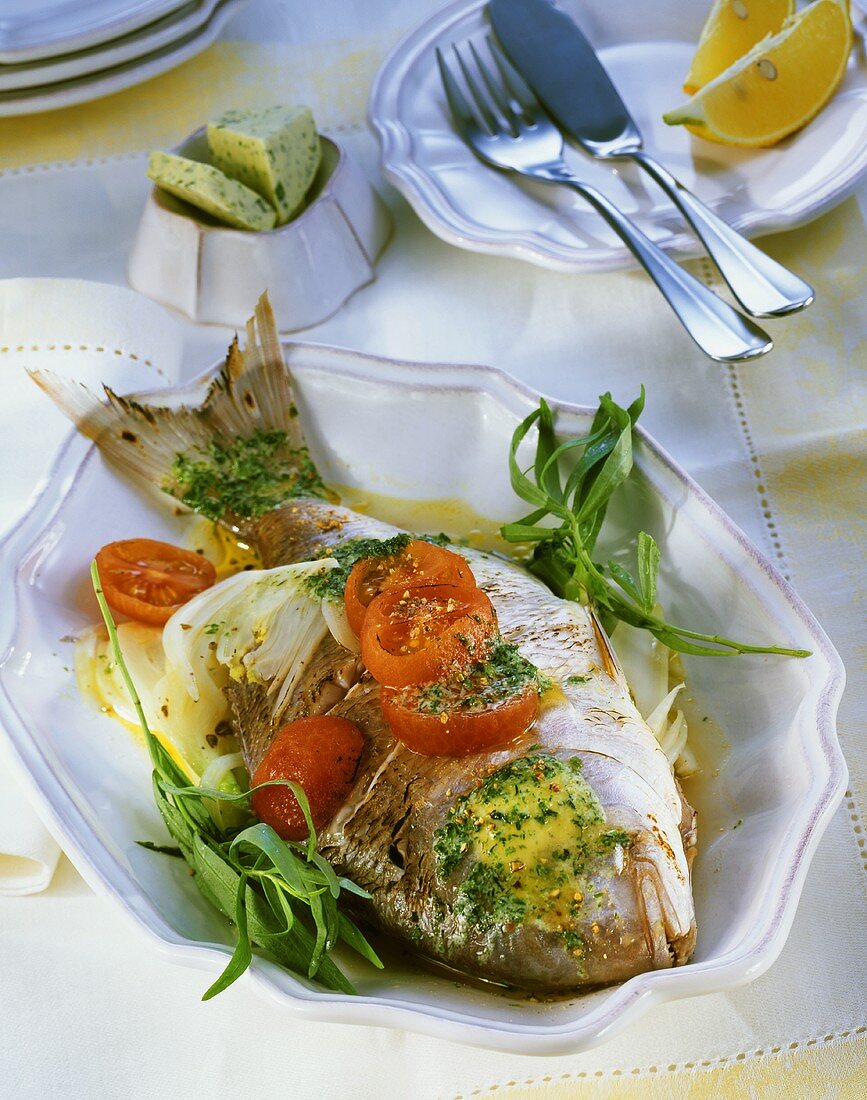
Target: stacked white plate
[[54, 53]]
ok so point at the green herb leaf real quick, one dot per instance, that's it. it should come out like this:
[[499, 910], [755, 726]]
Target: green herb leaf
[[522, 485], [263, 883], [244, 478], [624, 579], [351, 935], [331, 584], [163, 849], [648, 569], [243, 953], [563, 552], [610, 473], [178, 826], [216, 879], [545, 466], [353, 888], [263, 838]]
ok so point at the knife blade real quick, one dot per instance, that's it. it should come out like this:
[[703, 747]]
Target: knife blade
[[561, 66]]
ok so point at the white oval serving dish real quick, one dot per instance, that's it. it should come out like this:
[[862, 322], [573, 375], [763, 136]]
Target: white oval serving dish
[[773, 770], [185, 259]]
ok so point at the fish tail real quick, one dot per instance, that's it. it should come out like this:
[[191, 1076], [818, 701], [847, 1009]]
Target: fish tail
[[237, 455]]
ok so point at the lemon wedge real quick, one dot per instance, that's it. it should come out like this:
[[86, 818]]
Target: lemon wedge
[[776, 88], [732, 28]]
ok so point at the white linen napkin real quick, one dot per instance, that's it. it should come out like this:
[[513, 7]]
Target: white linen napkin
[[96, 333], [28, 852]]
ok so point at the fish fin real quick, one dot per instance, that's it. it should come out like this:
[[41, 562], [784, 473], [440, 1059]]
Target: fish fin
[[610, 663], [249, 401]]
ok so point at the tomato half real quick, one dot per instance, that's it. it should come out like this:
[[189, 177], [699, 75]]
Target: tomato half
[[413, 635], [418, 563], [321, 754], [149, 580], [458, 732]]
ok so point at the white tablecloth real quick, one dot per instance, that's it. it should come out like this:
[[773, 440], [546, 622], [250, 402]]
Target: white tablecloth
[[86, 1007]]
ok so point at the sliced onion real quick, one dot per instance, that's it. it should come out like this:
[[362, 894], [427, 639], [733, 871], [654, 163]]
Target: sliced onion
[[672, 737], [657, 718], [334, 613], [218, 768], [217, 776], [262, 624], [686, 763]]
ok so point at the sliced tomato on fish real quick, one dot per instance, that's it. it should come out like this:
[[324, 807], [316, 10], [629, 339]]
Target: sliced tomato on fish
[[462, 728], [419, 563], [321, 754], [148, 581], [413, 635]]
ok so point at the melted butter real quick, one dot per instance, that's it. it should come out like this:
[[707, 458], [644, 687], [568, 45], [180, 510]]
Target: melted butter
[[539, 843], [98, 678], [553, 696], [453, 517], [223, 549]]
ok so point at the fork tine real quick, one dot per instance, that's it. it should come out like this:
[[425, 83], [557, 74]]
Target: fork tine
[[521, 91], [498, 94], [460, 109], [478, 95]]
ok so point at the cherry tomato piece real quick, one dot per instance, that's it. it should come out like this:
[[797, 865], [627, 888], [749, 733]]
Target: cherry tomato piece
[[413, 635], [419, 563], [458, 732], [321, 755], [148, 580]]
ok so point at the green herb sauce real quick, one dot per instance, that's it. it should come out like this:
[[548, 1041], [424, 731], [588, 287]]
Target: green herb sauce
[[331, 585], [244, 478], [503, 675], [535, 839]]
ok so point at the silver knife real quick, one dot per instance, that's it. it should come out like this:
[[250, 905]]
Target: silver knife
[[560, 65]]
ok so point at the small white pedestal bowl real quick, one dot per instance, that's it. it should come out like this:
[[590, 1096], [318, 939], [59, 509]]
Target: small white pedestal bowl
[[184, 258]]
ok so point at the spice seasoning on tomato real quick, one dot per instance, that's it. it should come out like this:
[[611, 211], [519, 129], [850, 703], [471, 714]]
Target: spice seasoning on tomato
[[490, 705], [419, 563], [414, 635]]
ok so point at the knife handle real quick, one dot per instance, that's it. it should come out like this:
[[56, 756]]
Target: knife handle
[[762, 286], [718, 329]]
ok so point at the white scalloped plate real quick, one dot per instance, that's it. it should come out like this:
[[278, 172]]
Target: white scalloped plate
[[89, 85], [45, 28], [646, 46], [779, 770], [173, 25]]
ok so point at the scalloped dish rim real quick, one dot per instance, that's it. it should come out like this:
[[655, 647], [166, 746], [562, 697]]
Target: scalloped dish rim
[[619, 1004]]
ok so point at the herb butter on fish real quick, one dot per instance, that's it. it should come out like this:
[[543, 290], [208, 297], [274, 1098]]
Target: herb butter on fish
[[275, 151], [556, 863], [210, 190]]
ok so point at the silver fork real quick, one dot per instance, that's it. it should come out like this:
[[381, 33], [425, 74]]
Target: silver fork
[[507, 127]]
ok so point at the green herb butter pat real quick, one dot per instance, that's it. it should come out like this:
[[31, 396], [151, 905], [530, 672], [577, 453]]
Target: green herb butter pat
[[210, 190], [275, 151]]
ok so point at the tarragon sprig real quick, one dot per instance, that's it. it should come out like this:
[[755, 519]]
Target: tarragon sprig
[[271, 888], [563, 552]]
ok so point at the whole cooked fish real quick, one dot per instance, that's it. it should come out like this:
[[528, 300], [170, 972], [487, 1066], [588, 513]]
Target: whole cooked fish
[[558, 863]]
